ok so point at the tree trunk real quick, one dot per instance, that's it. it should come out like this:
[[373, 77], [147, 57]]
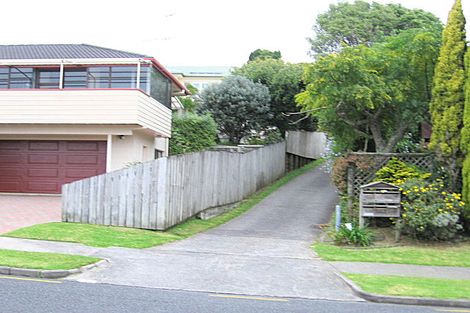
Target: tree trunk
[[389, 146], [377, 136]]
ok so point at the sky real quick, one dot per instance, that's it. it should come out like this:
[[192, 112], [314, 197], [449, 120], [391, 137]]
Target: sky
[[181, 32]]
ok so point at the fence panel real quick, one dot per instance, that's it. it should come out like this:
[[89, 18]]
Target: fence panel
[[309, 145], [164, 192]]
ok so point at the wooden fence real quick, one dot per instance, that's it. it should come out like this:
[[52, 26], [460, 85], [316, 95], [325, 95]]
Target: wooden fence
[[164, 192], [309, 145], [302, 147]]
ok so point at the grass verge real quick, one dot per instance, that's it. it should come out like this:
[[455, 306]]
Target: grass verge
[[43, 260], [412, 286], [439, 255], [107, 236]]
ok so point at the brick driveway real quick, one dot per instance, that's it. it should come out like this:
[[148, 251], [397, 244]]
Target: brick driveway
[[21, 211]]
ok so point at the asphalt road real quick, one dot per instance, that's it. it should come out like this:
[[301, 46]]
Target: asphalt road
[[19, 295]]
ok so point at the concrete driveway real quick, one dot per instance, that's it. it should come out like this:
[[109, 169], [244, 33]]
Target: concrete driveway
[[17, 211], [263, 252]]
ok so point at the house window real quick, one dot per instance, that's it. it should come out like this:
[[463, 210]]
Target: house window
[[123, 76], [48, 78], [160, 88], [16, 77], [99, 77], [116, 77], [4, 77], [75, 77], [152, 81], [144, 79], [158, 154]]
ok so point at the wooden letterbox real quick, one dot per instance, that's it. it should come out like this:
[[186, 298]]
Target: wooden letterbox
[[379, 199]]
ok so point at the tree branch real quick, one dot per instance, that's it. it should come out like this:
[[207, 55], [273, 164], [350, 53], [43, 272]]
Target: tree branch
[[303, 112], [300, 120]]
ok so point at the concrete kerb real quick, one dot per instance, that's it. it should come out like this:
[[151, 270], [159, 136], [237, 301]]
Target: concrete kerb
[[52, 274], [403, 300]]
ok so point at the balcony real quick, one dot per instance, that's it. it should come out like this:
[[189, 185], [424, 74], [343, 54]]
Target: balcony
[[85, 106]]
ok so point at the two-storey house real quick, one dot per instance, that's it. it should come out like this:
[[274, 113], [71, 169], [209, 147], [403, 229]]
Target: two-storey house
[[72, 111]]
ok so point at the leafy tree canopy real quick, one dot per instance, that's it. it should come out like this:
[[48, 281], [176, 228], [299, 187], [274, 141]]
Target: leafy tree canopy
[[238, 105], [263, 54], [284, 81], [368, 98], [352, 24]]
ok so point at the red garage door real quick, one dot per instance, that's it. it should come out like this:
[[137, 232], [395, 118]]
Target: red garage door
[[34, 166]]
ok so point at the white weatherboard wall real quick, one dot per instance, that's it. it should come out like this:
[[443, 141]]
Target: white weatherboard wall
[[310, 145], [101, 107], [164, 192]]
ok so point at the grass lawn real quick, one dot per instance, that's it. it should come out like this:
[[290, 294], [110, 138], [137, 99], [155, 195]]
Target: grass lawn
[[107, 236], [439, 255], [43, 261], [412, 286]]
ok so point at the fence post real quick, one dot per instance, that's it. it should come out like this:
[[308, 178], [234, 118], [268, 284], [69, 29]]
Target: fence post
[[351, 167]]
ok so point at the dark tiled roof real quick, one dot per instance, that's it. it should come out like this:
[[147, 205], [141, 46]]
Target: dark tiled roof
[[63, 51]]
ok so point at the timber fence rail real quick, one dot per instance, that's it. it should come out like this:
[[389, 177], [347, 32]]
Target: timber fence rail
[[162, 193]]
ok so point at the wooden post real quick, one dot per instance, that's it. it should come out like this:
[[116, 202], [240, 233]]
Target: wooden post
[[398, 227], [350, 189]]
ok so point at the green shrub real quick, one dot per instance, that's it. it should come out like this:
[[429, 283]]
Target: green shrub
[[191, 132], [353, 235], [430, 212], [397, 172]]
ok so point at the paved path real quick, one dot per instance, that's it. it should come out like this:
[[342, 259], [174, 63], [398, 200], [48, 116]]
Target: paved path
[[445, 272], [263, 252], [17, 211]]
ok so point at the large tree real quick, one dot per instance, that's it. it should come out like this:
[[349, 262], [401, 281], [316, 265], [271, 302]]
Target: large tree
[[263, 54], [284, 81], [465, 139], [368, 98], [448, 94], [352, 24], [238, 106]]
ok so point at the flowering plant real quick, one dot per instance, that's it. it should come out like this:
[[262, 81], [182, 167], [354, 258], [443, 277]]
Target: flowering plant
[[429, 211]]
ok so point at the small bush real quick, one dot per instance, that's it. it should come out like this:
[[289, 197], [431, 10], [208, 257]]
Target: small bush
[[429, 211], [191, 133], [353, 235], [397, 172]]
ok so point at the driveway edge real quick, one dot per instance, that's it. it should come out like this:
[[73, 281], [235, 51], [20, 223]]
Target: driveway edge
[[14, 271], [403, 300]]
